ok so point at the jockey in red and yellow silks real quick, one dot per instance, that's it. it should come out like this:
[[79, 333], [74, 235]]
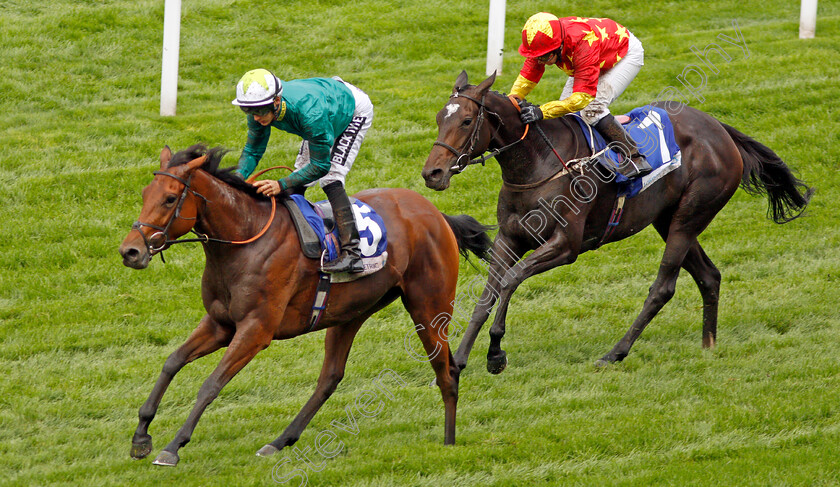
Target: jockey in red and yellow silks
[[601, 58]]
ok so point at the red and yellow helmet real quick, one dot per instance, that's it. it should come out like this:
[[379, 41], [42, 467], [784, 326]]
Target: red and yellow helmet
[[542, 34]]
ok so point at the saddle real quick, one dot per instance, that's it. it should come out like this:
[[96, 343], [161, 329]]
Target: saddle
[[652, 130], [316, 229], [309, 241]]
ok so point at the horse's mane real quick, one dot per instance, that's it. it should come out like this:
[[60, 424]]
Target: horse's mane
[[211, 166]]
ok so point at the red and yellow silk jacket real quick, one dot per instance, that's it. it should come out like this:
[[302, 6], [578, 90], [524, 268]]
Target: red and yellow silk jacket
[[590, 46]]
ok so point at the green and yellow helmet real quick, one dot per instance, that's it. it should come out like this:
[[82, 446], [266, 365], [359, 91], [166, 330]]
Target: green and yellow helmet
[[256, 88]]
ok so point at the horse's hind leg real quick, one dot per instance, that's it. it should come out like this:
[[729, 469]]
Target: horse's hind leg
[[707, 277], [431, 314], [205, 339], [677, 246], [336, 351]]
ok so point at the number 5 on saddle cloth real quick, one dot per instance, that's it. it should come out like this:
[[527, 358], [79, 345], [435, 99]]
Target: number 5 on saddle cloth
[[319, 239]]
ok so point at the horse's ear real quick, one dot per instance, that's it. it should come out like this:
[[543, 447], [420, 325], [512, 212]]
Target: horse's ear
[[165, 156], [197, 162], [461, 82], [486, 84]]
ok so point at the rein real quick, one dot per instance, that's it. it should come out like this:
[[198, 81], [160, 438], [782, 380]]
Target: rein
[[568, 167], [164, 231], [574, 164], [471, 141], [260, 173]]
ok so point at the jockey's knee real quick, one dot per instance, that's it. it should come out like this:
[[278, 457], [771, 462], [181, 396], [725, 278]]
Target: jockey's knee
[[595, 111]]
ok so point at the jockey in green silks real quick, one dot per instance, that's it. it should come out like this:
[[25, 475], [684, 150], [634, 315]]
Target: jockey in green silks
[[332, 116]]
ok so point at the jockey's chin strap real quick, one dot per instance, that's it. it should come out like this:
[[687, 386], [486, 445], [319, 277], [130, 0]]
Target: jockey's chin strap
[[473, 138], [164, 231]]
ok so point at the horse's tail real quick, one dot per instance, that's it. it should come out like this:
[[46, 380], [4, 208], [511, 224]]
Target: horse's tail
[[766, 173], [470, 235]]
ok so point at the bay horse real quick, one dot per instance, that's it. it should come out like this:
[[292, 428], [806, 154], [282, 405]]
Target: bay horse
[[577, 204], [256, 290]]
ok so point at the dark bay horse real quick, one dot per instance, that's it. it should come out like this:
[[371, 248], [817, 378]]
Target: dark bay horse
[[263, 290], [573, 207]]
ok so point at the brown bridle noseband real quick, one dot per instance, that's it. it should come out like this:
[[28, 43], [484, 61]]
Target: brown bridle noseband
[[473, 138]]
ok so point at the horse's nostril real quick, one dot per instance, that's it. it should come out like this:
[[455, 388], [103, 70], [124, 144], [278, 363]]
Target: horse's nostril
[[435, 173], [131, 253]]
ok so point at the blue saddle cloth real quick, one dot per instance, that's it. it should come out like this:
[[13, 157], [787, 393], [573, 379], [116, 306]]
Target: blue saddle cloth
[[652, 130], [372, 235]]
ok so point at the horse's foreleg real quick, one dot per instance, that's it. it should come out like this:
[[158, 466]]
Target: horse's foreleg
[[662, 290], [246, 343], [479, 317], [336, 350], [504, 258], [205, 339], [559, 250]]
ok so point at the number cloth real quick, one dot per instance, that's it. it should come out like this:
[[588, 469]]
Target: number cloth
[[652, 130], [373, 239]]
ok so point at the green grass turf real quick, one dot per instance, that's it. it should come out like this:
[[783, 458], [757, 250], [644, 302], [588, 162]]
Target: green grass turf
[[83, 338]]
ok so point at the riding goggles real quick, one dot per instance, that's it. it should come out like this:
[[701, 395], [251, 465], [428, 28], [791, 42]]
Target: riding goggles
[[545, 57], [258, 111]]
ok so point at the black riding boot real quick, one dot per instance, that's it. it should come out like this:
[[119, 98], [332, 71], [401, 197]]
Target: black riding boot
[[614, 133], [350, 258]]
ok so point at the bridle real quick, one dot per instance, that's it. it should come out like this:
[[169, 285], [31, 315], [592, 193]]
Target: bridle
[[458, 167], [164, 230], [473, 138]]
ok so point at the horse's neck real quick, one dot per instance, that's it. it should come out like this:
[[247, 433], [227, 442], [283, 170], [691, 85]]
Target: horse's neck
[[229, 214], [531, 159]]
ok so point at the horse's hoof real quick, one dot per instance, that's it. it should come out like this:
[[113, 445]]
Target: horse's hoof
[[609, 359], [602, 363], [495, 365], [167, 459], [141, 449], [461, 364], [267, 451]]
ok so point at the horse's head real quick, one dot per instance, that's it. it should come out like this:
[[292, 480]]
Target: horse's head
[[462, 134], [170, 209]]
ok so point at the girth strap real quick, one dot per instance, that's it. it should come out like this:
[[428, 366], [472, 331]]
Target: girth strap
[[319, 306], [615, 219]]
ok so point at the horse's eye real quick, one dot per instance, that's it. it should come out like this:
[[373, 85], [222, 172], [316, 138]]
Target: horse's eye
[[170, 200], [466, 122]]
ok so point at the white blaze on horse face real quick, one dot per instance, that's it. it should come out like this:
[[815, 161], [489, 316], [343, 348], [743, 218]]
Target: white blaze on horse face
[[451, 108]]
